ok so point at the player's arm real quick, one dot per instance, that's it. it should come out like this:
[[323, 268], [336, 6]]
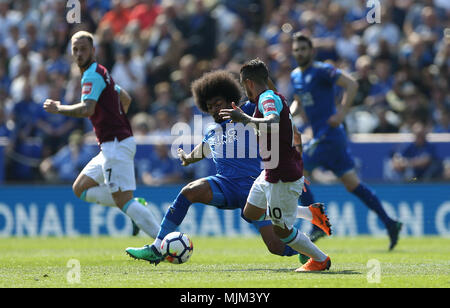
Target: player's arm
[[125, 98], [198, 153], [297, 139], [350, 86], [83, 109], [238, 115]]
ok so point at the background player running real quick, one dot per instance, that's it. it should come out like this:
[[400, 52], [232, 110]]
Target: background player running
[[314, 84], [279, 186], [108, 179], [229, 188]]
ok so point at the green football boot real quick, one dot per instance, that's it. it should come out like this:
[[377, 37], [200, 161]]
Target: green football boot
[[303, 258], [135, 226], [148, 253]]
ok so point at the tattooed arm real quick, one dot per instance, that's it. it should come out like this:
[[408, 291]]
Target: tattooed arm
[[83, 109]]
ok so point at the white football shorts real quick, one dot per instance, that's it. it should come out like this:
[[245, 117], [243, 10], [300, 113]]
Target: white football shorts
[[281, 198], [114, 165]]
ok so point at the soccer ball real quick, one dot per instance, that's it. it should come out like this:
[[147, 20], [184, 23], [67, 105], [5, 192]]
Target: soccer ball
[[176, 247]]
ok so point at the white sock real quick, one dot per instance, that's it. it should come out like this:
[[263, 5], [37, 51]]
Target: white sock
[[304, 212], [99, 194], [142, 217], [157, 244], [303, 244]]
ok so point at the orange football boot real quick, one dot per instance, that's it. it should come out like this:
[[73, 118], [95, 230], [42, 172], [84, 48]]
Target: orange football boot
[[315, 266], [320, 219]]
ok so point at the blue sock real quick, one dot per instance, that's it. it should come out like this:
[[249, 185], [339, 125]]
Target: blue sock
[[289, 251], [174, 216], [307, 198], [369, 198]]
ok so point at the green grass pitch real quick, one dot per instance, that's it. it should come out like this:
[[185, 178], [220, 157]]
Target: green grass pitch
[[222, 263]]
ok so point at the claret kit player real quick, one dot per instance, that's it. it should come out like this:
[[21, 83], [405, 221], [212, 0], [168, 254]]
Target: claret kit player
[[108, 179]]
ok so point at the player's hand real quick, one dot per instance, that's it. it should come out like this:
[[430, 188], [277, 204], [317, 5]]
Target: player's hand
[[51, 106], [335, 120], [235, 115], [183, 157]]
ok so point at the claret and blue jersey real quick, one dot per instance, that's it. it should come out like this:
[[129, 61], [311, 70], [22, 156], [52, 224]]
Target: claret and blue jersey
[[109, 119]]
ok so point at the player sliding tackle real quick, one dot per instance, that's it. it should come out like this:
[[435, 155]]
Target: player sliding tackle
[[276, 188], [229, 188], [108, 179]]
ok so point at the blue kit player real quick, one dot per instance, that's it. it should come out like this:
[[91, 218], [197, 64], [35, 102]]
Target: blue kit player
[[234, 150], [314, 84]]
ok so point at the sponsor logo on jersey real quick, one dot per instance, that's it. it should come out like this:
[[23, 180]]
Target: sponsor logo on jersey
[[269, 105], [87, 88]]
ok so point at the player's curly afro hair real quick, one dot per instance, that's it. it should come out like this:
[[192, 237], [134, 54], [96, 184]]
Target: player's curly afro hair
[[213, 84]]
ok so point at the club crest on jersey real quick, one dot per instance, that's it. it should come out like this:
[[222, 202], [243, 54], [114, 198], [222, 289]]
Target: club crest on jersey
[[87, 88], [269, 105]]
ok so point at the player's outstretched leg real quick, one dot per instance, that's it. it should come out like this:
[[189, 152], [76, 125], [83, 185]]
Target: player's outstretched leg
[[369, 198], [318, 261], [307, 199], [315, 213], [88, 190], [197, 191], [136, 228], [148, 253]]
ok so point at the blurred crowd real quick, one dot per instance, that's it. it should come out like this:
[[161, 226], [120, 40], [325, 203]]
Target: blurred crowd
[[156, 48]]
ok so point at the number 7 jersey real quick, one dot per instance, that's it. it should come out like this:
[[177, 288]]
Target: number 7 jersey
[[109, 119]]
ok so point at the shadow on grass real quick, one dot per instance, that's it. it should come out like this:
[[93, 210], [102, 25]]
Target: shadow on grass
[[277, 270]]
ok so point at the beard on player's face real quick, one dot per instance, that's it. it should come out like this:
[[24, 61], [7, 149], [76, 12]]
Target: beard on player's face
[[83, 64], [303, 60]]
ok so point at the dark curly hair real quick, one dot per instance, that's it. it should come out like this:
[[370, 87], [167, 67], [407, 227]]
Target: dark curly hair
[[213, 84]]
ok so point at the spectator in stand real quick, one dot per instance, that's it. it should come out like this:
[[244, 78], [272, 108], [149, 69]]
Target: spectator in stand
[[382, 85], [163, 99], [117, 18], [145, 12], [201, 40], [25, 147], [129, 71], [386, 30], [24, 55], [443, 122], [54, 129], [41, 85], [183, 77], [5, 125], [56, 62], [142, 101], [68, 162], [385, 125], [162, 168], [7, 18], [418, 161], [363, 69], [164, 122], [5, 81]]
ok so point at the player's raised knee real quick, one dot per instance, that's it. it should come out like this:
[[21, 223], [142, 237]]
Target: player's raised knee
[[197, 191]]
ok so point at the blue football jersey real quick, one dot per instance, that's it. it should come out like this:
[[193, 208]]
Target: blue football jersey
[[234, 148], [316, 89]]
